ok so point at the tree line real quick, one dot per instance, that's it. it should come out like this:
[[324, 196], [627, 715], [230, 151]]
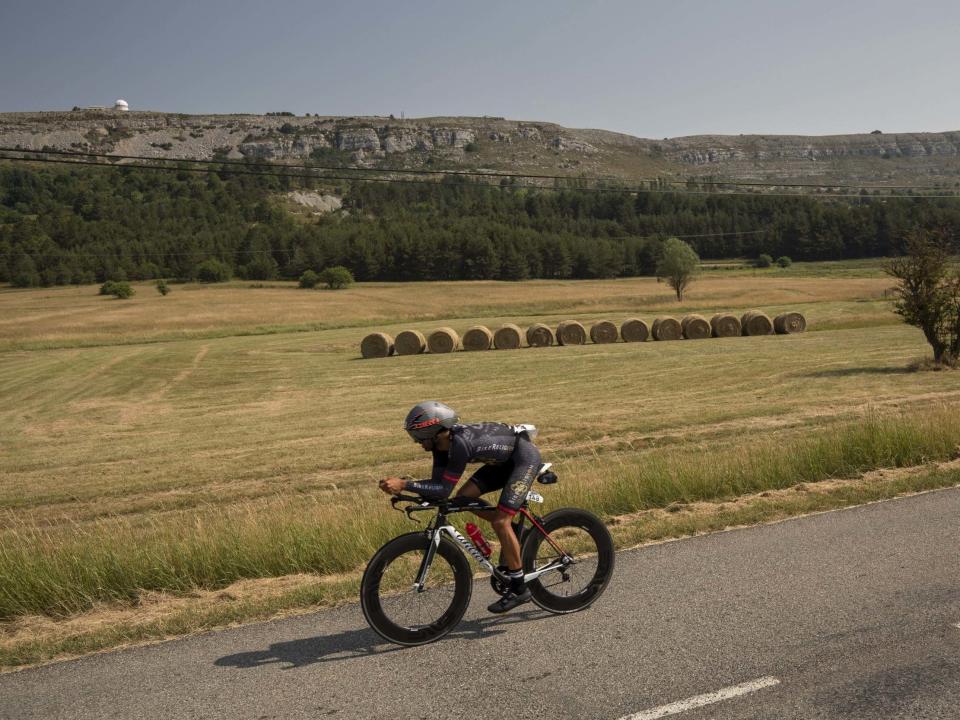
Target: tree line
[[86, 225]]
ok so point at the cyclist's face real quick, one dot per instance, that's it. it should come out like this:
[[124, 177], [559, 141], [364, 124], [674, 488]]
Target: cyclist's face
[[427, 444]]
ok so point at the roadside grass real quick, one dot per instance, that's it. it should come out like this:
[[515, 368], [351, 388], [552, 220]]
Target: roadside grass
[[32, 640], [66, 570]]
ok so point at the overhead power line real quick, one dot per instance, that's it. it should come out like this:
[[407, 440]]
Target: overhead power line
[[272, 167], [305, 175]]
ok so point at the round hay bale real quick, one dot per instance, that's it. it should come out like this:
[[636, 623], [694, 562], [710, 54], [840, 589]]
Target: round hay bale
[[755, 322], [376, 345], [570, 332], [477, 337], [539, 335], [507, 337], [604, 332], [725, 325], [789, 323], [634, 330], [667, 328], [695, 327], [410, 342], [443, 340]]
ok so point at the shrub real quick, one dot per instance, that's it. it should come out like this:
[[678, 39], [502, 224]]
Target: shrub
[[309, 279], [162, 287], [336, 277], [471, 147], [287, 129], [117, 288], [784, 261], [763, 261], [213, 270]]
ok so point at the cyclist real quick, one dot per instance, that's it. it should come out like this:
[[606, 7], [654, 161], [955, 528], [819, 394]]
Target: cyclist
[[510, 463]]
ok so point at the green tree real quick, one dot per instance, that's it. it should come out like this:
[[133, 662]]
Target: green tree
[[162, 287], [784, 261], [678, 265], [24, 271], [763, 261], [928, 296], [213, 271], [336, 277]]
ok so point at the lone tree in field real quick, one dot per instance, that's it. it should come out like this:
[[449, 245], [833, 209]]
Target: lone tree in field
[[928, 296], [677, 265]]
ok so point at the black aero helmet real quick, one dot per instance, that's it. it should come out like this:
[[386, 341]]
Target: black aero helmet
[[428, 418]]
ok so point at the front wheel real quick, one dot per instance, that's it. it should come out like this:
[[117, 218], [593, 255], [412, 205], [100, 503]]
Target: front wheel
[[584, 566], [396, 609]]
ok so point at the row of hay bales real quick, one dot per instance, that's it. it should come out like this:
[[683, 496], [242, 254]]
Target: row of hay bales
[[571, 332]]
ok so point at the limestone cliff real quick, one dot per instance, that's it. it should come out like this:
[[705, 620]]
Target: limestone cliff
[[493, 144]]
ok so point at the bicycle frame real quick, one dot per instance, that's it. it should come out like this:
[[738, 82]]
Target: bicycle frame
[[437, 530]]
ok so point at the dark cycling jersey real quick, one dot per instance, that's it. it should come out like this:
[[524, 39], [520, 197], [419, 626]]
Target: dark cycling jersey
[[487, 443]]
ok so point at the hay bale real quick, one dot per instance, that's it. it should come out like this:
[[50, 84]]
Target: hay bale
[[376, 345], [410, 342], [725, 325], [667, 328], [634, 330], [477, 337], [695, 327], [507, 337], [443, 340], [539, 335], [789, 323], [570, 332], [604, 332], [755, 322]]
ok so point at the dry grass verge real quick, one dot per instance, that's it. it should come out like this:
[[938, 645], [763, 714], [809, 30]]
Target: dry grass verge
[[33, 640]]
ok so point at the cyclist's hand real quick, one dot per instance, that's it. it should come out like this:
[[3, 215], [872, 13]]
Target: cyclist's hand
[[393, 486]]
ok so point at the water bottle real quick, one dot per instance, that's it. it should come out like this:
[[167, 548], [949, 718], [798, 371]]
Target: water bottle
[[474, 532]]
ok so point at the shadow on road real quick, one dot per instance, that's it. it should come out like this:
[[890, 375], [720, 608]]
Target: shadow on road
[[357, 643]]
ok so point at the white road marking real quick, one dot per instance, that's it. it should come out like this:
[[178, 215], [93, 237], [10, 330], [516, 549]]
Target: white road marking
[[701, 700]]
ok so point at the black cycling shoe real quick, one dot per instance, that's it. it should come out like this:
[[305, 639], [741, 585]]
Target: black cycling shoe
[[509, 601]]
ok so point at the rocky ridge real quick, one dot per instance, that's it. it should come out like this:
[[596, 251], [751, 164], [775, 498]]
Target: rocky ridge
[[492, 143]]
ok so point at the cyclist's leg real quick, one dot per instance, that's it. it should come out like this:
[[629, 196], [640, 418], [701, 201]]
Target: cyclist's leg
[[487, 479], [525, 463]]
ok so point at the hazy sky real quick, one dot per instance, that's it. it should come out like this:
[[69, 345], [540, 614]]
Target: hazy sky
[[652, 69]]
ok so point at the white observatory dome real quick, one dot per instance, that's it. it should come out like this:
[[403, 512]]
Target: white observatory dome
[[121, 105]]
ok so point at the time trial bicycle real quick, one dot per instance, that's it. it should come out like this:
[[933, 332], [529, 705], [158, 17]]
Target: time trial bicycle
[[416, 588]]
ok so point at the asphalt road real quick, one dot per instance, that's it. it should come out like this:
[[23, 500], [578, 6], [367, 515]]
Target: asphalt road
[[848, 614]]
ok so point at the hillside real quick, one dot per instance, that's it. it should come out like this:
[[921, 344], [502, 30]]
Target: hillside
[[495, 144]]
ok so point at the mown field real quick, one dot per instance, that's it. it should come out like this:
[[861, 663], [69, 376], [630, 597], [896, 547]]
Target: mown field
[[174, 463]]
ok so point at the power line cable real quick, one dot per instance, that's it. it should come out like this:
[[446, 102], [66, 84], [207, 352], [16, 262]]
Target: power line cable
[[627, 190], [477, 173]]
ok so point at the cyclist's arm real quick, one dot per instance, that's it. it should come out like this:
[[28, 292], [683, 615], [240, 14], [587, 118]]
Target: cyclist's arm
[[447, 469]]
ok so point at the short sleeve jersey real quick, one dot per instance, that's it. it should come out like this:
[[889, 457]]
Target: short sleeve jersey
[[488, 443]]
